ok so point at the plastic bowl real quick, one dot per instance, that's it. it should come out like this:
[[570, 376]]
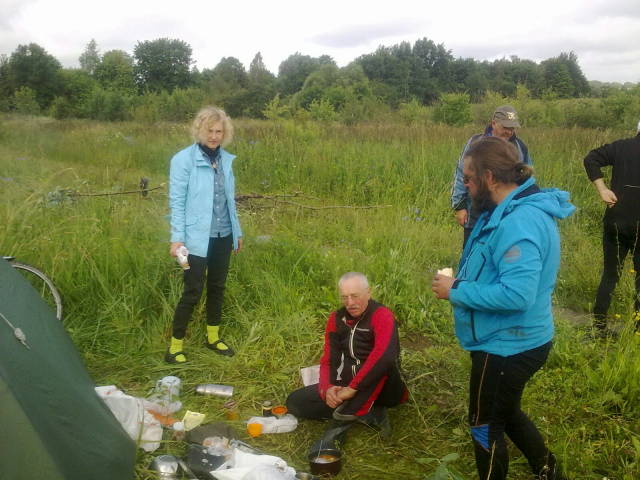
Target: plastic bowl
[[327, 461]]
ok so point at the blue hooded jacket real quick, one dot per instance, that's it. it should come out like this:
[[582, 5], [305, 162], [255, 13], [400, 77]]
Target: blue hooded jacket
[[191, 193], [502, 294]]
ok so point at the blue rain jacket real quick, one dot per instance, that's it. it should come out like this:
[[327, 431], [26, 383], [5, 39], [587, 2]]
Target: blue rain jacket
[[502, 294], [191, 188]]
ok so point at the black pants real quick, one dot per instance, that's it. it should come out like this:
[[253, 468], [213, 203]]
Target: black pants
[[496, 387], [307, 403], [214, 268], [617, 242]]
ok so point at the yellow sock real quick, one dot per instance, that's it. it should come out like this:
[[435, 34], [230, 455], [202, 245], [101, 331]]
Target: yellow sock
[[175, 347], [213, 336]]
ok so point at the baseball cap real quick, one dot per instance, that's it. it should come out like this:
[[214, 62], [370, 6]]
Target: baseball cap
[[507, 116]]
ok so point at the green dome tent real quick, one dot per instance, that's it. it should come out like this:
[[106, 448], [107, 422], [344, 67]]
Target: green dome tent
[[54, 426]]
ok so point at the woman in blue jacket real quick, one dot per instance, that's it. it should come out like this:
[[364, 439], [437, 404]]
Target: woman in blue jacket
[[204, 220], [501, 300]]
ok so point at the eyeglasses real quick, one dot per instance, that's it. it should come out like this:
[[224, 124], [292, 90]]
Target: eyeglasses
[[353, 297]]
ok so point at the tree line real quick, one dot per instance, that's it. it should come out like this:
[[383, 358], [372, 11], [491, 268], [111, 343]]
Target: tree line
[[160, 81]]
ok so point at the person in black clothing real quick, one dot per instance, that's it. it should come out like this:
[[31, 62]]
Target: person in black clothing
[[621, 219], [360, 366]]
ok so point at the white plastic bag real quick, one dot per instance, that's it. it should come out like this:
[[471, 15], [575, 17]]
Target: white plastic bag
[[130, 412], [270, 472], [247, 466]]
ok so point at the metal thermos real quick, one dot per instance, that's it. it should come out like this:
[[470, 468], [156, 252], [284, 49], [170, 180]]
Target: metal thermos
[[214, 389]]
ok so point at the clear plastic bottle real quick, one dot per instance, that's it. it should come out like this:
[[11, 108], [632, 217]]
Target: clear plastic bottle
[[286, 423], [182, 256]]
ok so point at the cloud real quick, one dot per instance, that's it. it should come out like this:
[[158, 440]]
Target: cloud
[[612, 9], [357, 35], [11, 9], [603, 41]]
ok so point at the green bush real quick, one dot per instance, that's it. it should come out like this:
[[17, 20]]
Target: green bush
[[24, 101], [276, 109], [453, 109], [413, 112], [107, 104], [61, 107], [322, 111], [587, 113]]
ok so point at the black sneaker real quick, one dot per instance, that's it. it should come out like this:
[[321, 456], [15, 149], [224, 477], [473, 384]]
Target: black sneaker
[[228, 352], [171, 357]]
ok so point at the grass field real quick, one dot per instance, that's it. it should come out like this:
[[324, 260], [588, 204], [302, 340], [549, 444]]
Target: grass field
[[109, 257]]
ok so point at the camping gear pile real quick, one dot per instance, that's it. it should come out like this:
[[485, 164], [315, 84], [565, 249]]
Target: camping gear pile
[[213, 450]]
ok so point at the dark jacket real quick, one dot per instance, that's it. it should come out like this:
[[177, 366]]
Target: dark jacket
[[369, 347], [460, 198], [624, 158]]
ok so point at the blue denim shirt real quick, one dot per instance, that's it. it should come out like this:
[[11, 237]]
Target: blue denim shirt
[[220, 221]]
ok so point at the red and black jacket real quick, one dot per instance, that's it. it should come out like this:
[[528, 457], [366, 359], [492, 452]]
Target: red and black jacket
[[369, 347]]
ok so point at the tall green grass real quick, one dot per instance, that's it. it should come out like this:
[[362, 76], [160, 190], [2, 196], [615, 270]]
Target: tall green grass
[[109, 257]]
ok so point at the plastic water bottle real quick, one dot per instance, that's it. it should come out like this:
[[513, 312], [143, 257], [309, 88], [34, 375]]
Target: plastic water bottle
[[166, 396], [182, 256], [286, 423]]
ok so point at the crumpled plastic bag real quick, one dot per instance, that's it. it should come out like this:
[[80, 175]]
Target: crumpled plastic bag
[[132, 415], [269, 472], [248, 466]]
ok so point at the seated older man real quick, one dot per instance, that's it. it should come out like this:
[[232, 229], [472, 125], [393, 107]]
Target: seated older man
[[360, 367]]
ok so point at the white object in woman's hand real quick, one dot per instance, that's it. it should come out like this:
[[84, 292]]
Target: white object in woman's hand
[[173, 248]]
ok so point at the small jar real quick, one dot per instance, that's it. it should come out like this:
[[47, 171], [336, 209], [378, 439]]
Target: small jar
[[178, 431], [231, 410], [266, 409], [279, 411]]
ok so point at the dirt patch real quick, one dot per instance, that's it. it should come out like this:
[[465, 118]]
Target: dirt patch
[[415, 342]]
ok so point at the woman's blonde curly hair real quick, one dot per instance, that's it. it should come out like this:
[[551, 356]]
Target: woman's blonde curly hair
[[206, 117]]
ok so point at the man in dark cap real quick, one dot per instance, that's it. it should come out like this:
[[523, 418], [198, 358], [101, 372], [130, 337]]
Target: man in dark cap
[[621, 219], [504, 122]]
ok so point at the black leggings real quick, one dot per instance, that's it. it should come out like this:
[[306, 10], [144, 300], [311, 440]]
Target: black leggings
[[617, 242], [215, 268], [495, 392]]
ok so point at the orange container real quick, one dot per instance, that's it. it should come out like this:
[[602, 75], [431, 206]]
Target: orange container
[[279, 411], [254, 429]]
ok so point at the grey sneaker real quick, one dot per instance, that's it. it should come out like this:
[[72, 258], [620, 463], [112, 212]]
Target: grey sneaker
[[341, 417]]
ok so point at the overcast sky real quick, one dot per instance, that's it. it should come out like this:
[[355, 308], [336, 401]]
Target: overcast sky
[[605, 34]]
